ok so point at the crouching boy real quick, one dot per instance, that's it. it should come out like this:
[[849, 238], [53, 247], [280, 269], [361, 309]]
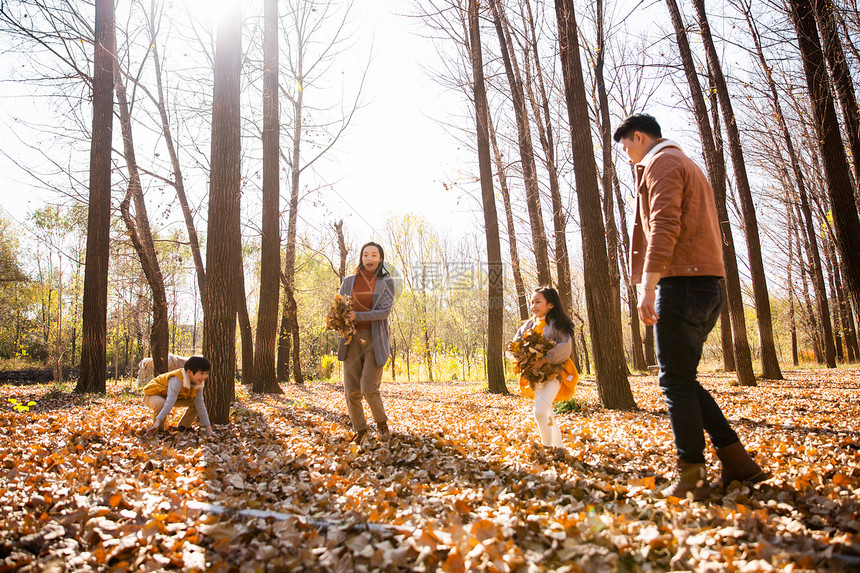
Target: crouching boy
[[182, 387]]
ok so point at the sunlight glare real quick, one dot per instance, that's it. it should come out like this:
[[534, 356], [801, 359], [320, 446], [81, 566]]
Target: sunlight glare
[[214, 10]]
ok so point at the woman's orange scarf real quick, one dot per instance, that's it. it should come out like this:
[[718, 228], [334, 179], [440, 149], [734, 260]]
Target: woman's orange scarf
[[568, 377]]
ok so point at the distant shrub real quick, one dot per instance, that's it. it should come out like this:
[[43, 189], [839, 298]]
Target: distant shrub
[[328, 364], [567, 406]]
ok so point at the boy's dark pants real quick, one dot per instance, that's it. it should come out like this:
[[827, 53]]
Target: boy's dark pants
[[688, 308]]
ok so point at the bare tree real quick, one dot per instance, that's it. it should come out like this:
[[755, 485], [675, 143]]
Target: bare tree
[[141, 234], [241, 301], [716, 167], [790, 263], [725, 315], [609, 182], [94, 344], [524, 144], [839, 188], [800, 182], [178, 181], [841, 76], [769, 361], [544, 125], [519, 286], [610, 365], [495, 292], [315, 36]]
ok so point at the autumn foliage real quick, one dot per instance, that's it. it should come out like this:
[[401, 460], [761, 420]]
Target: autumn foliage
[[460, 486], [337, 317], [526, 351]]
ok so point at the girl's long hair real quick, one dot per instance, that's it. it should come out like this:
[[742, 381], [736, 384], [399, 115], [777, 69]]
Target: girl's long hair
[[556, 315], [381, 271]]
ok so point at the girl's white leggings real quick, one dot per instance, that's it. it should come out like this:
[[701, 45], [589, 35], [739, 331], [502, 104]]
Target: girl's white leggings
[[545, 393]]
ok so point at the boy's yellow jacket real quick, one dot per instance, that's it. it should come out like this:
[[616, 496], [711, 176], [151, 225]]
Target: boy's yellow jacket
[[158, 386]]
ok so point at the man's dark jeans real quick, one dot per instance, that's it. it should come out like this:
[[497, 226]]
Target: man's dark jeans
[[688, 308]]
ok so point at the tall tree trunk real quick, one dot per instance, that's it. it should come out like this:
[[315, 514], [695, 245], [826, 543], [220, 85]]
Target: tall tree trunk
[[284, 333], [845, 218], [291, 313], [219, 318], [726, 333], [584, 348], [610, 365], [841, 75], [792, 323], [522, 300], [834, 308], [829, 242], [844, 303], [245, 332], [769, 361], [495, 284], [604, 125], [639, 361], [74, 359], [141, 235], [527, 156], [810, 313], [725, 315], [547, 139], [716, 167], [800, 181], [94, 330], [265, 376], [293, 329], [805, 271], [650, 354], [425, 325]]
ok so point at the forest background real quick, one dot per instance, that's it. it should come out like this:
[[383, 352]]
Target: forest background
[[377, 140]]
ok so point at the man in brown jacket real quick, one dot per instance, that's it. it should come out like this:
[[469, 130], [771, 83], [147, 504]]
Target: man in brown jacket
[[677, 256]]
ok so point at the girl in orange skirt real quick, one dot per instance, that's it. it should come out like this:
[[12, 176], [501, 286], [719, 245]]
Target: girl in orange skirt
[[549, 318]]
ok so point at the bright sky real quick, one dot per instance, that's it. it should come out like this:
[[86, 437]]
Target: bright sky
[[393, 159], [395, 156]]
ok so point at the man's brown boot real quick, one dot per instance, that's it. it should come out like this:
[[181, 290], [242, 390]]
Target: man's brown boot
[[692, 478], [738, 465], [384, 432]]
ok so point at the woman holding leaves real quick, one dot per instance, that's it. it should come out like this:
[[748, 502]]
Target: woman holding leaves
[[551, 377], [371, 289]]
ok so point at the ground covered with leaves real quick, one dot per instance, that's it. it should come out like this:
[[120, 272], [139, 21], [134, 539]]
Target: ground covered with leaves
[[461, 486]]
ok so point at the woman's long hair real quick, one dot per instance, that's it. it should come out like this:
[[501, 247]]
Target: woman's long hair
[[556, 315], [381, 271]]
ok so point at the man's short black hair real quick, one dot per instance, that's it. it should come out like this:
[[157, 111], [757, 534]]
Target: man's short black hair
[[638, 122], [197, 363]]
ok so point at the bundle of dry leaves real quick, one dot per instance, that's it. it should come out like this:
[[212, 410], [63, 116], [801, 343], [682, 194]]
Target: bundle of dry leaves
[[337, 317], [526, 351]]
